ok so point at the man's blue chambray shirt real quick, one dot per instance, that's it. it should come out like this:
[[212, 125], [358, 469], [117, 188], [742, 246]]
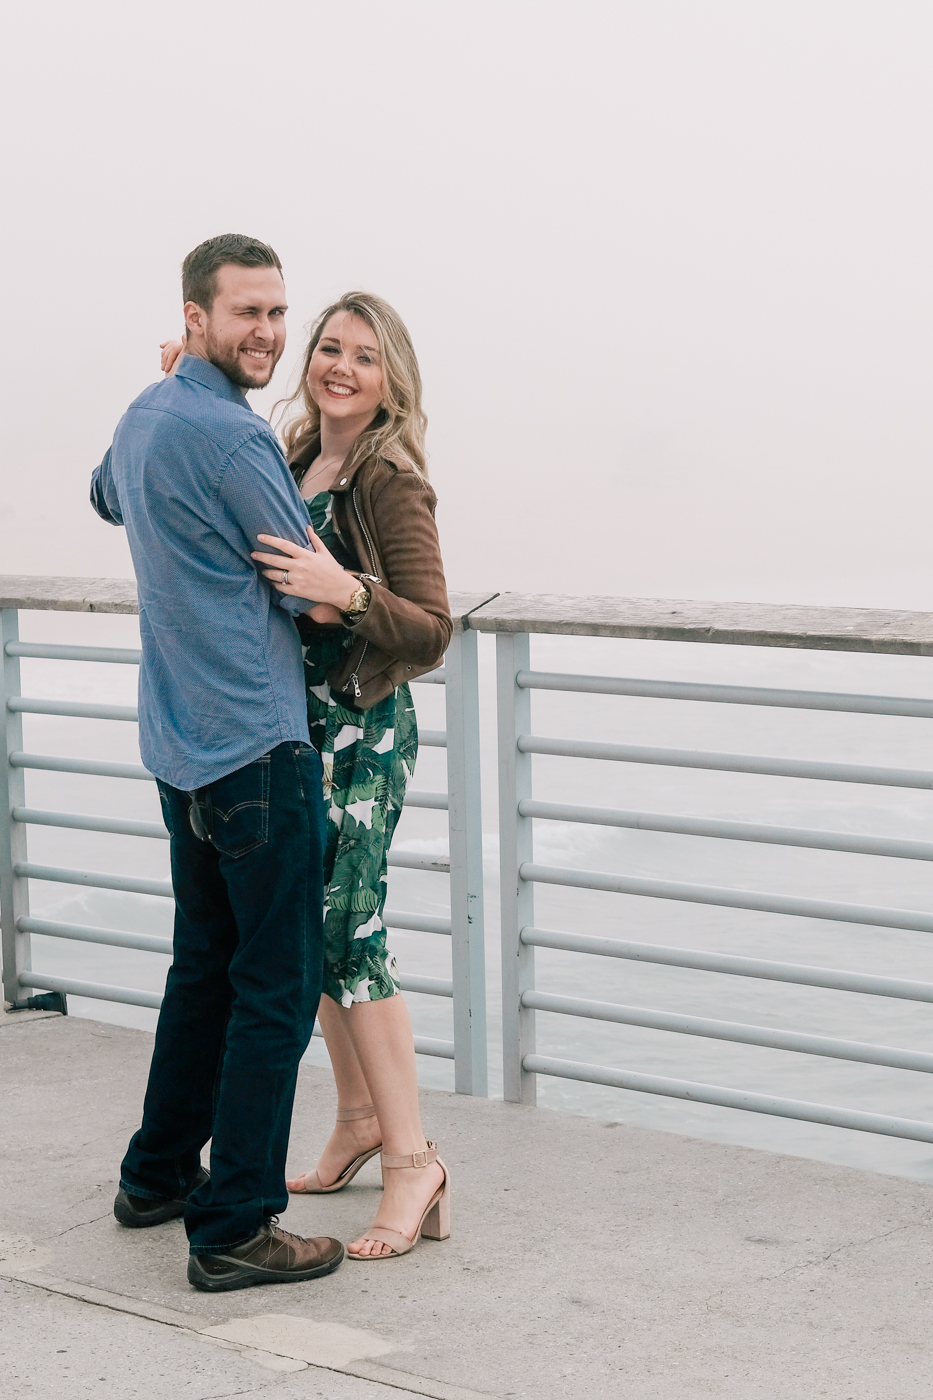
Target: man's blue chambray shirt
[[195, 475]]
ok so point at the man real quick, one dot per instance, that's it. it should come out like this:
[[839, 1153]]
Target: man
[[195, 475]]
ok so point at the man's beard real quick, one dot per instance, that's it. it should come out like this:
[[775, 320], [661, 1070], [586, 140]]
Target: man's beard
[[225, 358]]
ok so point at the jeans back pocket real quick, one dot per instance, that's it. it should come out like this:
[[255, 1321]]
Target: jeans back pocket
[[239, 809]]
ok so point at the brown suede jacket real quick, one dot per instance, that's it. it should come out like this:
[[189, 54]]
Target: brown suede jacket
[[384, 514]]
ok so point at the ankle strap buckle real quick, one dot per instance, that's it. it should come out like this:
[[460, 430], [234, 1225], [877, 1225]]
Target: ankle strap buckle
[[419, 1159]]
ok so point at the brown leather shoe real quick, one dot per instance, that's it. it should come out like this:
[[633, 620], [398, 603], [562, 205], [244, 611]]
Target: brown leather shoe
[[140, 1211], [271, 1256]]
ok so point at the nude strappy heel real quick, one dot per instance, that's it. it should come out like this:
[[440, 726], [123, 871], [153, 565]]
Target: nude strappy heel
[[434, 1223], [312, 1182]]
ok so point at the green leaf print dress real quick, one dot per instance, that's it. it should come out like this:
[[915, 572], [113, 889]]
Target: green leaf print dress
[[368, 757]]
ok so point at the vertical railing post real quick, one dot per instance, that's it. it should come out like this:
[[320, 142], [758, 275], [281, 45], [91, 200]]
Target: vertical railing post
[[515, 847], [14, 890], [465, 822]]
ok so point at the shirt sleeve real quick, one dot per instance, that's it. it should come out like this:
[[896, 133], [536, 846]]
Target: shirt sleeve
[[259, 493], [104, 494]]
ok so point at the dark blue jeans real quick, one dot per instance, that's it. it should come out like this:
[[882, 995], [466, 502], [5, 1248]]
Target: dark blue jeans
[[241, 994]]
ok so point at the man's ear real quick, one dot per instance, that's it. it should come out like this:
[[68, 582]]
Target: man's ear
[[195, 319]]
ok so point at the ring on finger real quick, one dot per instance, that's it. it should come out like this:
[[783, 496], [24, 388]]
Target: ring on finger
[[285, 577]]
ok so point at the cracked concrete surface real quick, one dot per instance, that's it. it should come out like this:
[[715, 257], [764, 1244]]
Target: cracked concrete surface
[[582, 1262]]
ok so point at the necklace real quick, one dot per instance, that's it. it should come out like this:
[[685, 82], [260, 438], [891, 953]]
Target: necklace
[[311, 476]]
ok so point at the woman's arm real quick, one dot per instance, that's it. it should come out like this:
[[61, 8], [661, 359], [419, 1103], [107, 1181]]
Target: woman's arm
[[409, 613]]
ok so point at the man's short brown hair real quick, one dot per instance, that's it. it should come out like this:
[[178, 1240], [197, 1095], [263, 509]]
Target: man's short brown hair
[[201, 266]]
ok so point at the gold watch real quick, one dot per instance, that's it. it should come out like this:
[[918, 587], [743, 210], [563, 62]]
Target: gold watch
[[358, 603]]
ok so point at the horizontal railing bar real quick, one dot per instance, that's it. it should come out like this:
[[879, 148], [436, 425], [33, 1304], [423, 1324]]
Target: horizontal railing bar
[[436, 801], [24, 704], [52, 763], [120, 655], [439, 1049], [771, 1037], [402, 859], [438, 677], [82, 933], [130, 996], [416, 923], [728, 694], [424, 1045], [427, 986], [96, 879], [409, 860], [797, 973], [727, 762], [117, 826], [432, 738], [412, 923], [729, 831], [77, 821], [731, 1098], [918, 920]]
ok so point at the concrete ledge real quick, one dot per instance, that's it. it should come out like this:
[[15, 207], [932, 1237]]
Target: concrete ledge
[[732, 624], [97, 595], [462, 605], [897, 633], [118, 595]]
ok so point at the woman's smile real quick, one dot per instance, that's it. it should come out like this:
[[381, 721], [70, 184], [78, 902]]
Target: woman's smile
[[345, 369]]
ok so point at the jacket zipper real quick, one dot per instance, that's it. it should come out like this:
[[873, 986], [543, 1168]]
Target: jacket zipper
[[354, 680], [366, 536], [355, 677]]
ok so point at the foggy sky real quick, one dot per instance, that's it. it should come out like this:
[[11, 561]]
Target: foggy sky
[[667, 266]]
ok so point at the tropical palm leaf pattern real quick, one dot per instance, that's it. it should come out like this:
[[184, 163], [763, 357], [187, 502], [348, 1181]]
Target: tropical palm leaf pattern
[[368, 759]]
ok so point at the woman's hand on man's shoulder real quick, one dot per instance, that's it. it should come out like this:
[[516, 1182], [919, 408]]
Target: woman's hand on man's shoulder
[[172, 351]]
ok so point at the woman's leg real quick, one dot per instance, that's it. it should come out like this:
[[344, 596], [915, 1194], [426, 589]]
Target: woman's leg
[[347, 1140], [381, 1036]]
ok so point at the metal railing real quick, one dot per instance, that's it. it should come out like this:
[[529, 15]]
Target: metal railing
[[461, 801], [514, 619]]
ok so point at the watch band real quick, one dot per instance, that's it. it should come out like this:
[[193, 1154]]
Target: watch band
[[359, 602]]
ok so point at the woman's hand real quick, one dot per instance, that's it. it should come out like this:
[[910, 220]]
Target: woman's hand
[[312, 573], [172, 351]]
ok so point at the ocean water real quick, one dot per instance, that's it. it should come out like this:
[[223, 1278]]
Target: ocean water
[[781, 801]]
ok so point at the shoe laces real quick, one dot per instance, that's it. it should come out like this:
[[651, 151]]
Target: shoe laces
[[273, 1223]]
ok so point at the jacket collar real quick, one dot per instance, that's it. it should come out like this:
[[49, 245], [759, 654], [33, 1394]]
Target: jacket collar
[[206, 373], [348, 475], [344, 481]]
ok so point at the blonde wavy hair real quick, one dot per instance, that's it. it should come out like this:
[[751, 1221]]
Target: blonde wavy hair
[[397, 431]]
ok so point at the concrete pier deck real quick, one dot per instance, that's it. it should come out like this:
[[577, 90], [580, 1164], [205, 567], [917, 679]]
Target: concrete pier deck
[[587, 1259]]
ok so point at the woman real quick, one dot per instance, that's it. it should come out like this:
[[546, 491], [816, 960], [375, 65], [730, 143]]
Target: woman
[[356, 448]]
